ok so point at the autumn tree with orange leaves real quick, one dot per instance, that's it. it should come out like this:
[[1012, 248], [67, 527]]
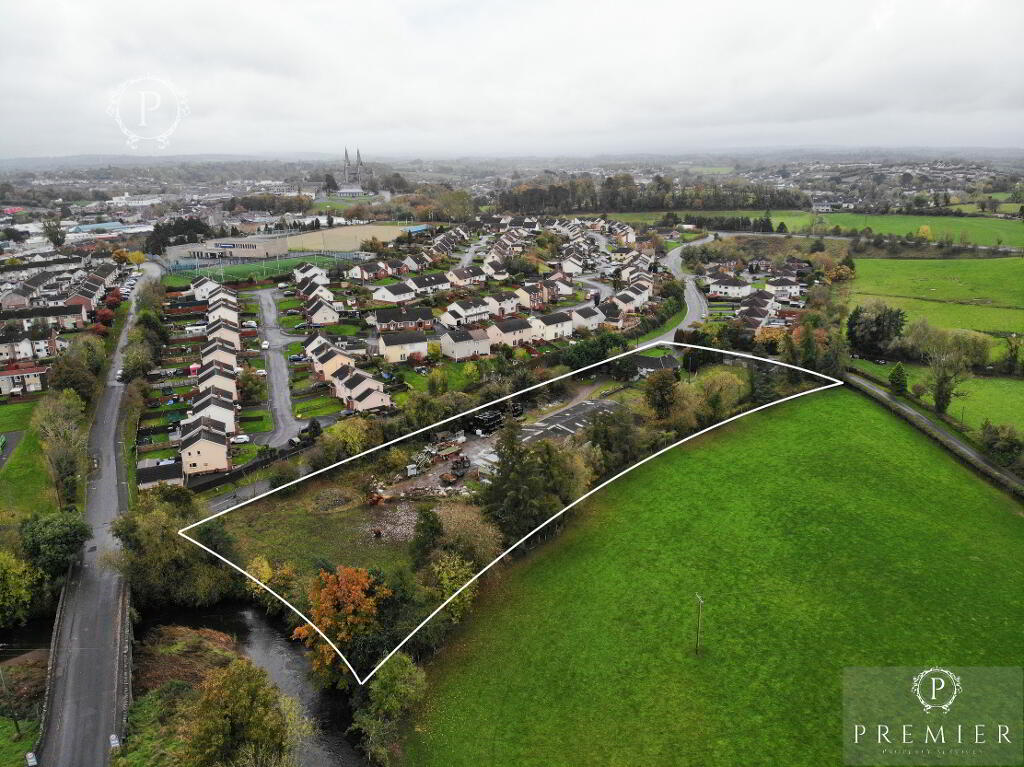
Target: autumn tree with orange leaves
[[344, 606]]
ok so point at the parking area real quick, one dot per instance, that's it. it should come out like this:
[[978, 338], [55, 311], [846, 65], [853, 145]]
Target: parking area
[[567, 422]]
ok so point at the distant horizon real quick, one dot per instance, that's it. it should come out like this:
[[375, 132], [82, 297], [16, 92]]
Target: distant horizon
[[639, 155]]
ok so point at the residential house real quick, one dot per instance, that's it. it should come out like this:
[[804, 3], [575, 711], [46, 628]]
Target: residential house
[[403, 318], [319, 312], [328, 359], [209, 404], [65, 317], [501, 304], [614, 317], [586, 318], [467, 311], [511, 332], [461, 344], [732, 288], [469, 275], [307, 271], [531, 297], [229, 333], [357, 390], [219, 352], [204, 451], [22, 379], [403, 345], [394, 293], [219, 377], [552, 326], [425, 284]]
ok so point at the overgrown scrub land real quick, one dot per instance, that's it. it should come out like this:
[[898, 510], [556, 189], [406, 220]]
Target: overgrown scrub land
[[974, 294], [197, 702], [830, 532]]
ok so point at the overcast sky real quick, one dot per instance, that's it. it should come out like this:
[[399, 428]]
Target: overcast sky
[[447, 77]]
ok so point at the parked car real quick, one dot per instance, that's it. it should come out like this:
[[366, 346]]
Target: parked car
[[259, 372], [120, 376], [293, 312], [294, 441], [296, 357], [282, 285], [240, 439], [301, 326], [265, 345], [249, 324]]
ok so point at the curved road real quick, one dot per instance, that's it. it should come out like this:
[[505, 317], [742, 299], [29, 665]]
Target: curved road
[[84, 708], [286, 425]]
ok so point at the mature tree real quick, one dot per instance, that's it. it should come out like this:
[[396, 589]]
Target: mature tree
[[515, 500], [52, 541], [874, 328], [947, 370], [722, 393], [898, 379], [281, 577], [330, 183], [238, 706], [343, 605], [660, 391], [392, 693], [162, 568], [450, 572], [426, 534], [137, 361], [18, 580], [437, 382], [53, 232], [59, 420], [762, 383]]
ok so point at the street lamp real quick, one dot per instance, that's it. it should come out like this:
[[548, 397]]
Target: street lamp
[[700, 614]]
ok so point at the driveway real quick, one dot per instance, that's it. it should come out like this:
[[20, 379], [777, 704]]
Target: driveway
[[13, 438], [286, 425]]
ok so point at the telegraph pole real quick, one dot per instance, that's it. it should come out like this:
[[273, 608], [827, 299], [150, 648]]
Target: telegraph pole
[[700, 614]]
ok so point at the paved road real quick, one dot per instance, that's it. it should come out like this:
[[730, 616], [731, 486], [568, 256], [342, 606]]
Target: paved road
[[897, 404], [286, 425], [483, 244], [84, 707]]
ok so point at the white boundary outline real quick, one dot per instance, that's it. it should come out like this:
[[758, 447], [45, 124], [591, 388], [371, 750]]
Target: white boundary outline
[[363, 680]]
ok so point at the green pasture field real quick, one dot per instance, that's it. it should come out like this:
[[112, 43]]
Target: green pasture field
[[821, 533], [1000, 400], [976, 294]]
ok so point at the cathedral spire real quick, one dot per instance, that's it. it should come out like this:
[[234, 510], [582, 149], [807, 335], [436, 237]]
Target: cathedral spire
[[359, 158]]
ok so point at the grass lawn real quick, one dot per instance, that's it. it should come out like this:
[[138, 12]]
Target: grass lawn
[[12, 752], [169, 452], [828, 535], [293, 347], [242, 454], [668, 325], [16, 416], [342, 329], [290, 320], [317, 406], [1001, 400], [453, 370], [265, 423], [977, 294], [289, 303], [25, 486]]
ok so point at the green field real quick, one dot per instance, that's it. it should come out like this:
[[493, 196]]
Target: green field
[[1001, 400], [830, 536], [25, 485], [261, 270], [977, 294], [13, 749], [454, 372], [977, 230]]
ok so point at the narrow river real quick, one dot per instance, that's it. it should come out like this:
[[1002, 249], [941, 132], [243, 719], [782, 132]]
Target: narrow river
[[264, 644]]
